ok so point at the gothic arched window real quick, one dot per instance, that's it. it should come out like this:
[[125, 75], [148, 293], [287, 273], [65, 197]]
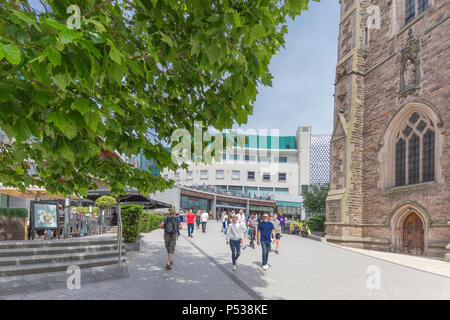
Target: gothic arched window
[[414, 151]]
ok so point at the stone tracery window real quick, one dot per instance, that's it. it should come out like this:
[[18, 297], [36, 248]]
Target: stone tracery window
[[415, 151]]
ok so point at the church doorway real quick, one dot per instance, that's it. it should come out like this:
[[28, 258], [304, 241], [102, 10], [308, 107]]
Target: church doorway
[[413, 235]]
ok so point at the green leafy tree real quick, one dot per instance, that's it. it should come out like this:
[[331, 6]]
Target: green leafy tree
[[105, 202], [314, 199], [131, 73]]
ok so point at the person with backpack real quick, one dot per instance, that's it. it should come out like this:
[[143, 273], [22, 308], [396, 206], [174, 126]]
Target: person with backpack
[[171, 225]]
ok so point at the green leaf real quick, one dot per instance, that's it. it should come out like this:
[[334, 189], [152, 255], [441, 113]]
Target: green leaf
[[53, 55], [54, 24], [61, 81], [41, 72], [114, 53], [237, 19], [66, 36], [257, 31], [166, 39], [27, 19], [82, 105], [11, 53], [98, 26], [92, 119]]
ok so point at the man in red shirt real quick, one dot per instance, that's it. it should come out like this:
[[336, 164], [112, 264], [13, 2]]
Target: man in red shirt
[[190, 220]]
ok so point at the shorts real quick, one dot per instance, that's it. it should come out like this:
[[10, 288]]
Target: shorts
[[277, 236], [170, 241]]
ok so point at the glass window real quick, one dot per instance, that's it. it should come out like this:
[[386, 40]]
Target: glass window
[[177, 176], [282, 190], [410, 10], [235, 174], [266, 176], [251, 175], [282, 159], [400, 163], [189, 175], [304, 188], [428, 156], [281, 176], [251, 191], [265, 191], [220, 174], [203, 174], [423, 5], [264, 159], [3, 200]]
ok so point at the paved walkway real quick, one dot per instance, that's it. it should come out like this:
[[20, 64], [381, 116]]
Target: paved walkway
[[304, 269]]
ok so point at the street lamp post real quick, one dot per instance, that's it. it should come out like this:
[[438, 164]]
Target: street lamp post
[[91, 209], [66, 217]]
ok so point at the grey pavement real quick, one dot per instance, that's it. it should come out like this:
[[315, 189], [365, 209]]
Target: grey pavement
[[304, 269]]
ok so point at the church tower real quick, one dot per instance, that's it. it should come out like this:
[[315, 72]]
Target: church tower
[[389, 159]]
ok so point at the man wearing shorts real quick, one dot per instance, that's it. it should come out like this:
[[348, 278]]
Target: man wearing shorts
[[277, 226], [171, 226]]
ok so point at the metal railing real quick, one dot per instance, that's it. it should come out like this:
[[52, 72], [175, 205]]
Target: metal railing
[[119, 233]]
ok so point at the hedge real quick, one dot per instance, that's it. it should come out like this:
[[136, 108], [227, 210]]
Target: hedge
[[85, 209], [151, 221], [131, 221], [13, 212], [316, 222]]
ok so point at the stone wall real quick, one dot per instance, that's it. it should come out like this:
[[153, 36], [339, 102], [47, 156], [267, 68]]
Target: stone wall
[[13, 228]]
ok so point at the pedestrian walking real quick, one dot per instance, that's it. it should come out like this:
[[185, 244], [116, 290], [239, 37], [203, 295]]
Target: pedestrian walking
[[263, 235], [225, 224], [190, 221], [234, 235], [282, 222], [277, 226], [171, 226], [241, 219], [204, 217], [197, 218], [252, 224]]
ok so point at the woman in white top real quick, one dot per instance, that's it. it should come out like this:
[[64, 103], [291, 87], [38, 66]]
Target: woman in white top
[[234, 235]]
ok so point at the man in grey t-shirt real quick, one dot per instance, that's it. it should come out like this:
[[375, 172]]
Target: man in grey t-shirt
[[277, 226]]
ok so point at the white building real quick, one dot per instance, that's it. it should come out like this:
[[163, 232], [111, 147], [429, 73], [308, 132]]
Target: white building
[[268, 167]]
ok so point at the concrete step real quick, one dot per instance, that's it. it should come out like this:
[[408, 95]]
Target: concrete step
[[54, 258], [7, 271], [54, 243], [18, 252]]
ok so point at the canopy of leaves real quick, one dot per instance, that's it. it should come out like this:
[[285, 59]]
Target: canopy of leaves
[[314, 199], [133, 72]]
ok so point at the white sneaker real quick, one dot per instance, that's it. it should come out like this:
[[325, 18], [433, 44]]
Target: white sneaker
[[234, 267], [265, 267]]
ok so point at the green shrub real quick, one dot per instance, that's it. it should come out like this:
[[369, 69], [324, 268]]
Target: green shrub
[[151, 221], [85, 209], [131, 221], [13, 212], [105, 202], [316, 222]]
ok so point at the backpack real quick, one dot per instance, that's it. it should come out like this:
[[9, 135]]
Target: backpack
[[170, 225]]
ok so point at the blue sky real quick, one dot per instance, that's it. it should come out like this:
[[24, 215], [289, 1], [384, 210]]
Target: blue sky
[[304, 72]]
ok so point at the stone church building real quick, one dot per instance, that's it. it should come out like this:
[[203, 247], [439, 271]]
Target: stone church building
[[390, 148]]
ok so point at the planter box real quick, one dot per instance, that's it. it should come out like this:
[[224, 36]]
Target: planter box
[[13, 228], [136, 246]]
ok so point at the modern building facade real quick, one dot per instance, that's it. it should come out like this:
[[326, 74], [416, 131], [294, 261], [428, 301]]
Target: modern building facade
[[273, 168], [390, 166]]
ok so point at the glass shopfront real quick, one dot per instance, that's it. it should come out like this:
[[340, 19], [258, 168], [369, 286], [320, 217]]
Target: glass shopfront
[[261, 209], [195, 203]]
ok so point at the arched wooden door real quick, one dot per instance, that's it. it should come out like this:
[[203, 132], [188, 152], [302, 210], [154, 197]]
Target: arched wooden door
[[413, 235]]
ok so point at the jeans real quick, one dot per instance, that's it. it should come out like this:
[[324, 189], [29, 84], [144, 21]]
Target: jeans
[[225, 230], [190, 229], [265, 245], [235, 250], [204, 226], [252, 237]]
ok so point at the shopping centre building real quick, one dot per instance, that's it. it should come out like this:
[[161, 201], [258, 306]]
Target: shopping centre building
[[268, 174]]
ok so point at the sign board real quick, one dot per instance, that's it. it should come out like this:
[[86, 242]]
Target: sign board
[[45, 215]]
